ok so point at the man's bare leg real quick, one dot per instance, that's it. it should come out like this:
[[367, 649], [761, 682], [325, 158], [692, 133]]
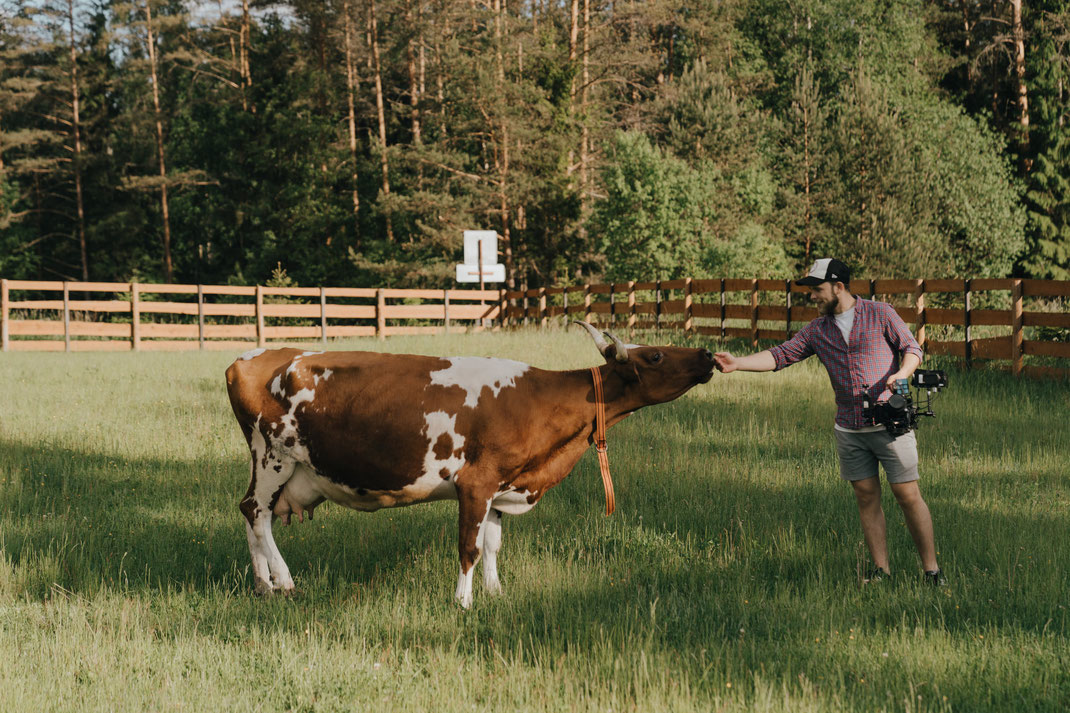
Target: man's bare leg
[[919, 521], [868, 495]]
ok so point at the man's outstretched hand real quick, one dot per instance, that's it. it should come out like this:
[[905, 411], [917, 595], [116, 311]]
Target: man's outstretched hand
[[725, 362]]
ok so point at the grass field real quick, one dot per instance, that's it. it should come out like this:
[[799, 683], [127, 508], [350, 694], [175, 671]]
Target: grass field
[[726, 580]]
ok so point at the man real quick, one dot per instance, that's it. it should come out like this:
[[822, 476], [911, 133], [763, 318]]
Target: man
[[865, 346]]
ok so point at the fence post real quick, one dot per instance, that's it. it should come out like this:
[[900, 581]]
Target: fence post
[[503, 309], [612, 303], [564, 303], [587, 302], [631, 306], [724, 309], [135, 316], [446, 310], [872, 289], [4, 309], [380, 313], [542, 307], [787, 303], [323, 316], [66, 317], [657, 305], [687, 306], [1017, 322], [754, 311], [968, 321], [919, 311], [259, 317], [200, 316], [524, 289]]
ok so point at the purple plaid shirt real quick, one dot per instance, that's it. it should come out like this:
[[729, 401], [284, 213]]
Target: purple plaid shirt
[[878, 337]]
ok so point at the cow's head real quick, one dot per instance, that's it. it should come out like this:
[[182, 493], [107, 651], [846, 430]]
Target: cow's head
[[653, 374]]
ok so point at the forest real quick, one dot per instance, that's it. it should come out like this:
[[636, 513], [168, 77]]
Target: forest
[[350, 142]]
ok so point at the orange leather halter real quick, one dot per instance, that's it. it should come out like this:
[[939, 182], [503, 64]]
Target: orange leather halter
[[600, 444]]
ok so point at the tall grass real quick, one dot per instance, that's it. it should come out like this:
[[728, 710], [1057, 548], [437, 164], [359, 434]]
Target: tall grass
[[726, 580]]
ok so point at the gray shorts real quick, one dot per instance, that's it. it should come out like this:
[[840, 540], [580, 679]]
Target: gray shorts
[[861, 452]]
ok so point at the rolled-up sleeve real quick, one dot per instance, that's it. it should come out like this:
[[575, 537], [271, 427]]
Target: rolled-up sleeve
[[795, 349], [898, 333]]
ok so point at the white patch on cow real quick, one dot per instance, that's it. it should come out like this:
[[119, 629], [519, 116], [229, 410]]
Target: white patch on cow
[[474, 373], [440, 423], [463, 595], [276, 386], [325, 375], [304, 354], [251, 354], [513, 502], [490, 544], [269, 473]]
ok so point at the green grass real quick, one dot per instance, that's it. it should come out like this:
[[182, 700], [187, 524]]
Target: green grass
[[726, 580]]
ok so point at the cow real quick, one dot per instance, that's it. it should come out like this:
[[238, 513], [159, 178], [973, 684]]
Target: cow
[[369, 430]]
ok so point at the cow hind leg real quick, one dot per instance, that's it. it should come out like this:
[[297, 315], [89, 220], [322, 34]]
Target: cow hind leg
[[492, 542], [270, 472], [474, 511]]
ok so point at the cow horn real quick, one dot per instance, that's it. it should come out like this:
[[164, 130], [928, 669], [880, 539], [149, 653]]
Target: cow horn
[[622, 351], [599, 340]]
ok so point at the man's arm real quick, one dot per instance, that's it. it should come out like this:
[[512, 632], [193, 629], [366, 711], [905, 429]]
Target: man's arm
[[901, 340], [762, 361], [906, 369]]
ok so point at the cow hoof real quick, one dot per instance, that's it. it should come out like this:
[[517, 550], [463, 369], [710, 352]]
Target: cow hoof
[[263, 589], [494, 588]]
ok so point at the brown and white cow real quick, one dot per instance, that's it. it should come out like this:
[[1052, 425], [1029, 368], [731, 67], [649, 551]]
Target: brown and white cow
[[370, 430]]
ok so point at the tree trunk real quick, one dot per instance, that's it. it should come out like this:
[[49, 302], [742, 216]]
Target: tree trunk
[[1018, 32], [573, 50], [243, 44], [351, 85], [381, 109], [414, 87], [585, 137], [167, 267], [76, 128], [503, 161]]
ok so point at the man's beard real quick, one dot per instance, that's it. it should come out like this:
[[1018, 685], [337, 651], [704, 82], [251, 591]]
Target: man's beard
[[829, 308]]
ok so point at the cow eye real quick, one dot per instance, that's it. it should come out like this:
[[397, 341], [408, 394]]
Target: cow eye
[[655, 357]]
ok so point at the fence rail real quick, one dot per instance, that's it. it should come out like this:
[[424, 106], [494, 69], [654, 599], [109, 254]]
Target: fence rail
[[133, 316], [714, 308], [960, 320]]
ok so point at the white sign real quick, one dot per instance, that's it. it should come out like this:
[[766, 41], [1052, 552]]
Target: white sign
[[491, 273], [472, 241], [481, 244]]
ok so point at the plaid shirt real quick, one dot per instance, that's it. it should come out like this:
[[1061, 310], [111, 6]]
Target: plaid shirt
[[878, 337]]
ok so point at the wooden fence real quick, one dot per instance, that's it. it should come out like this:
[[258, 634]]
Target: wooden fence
[[772, 309], [119, 316]]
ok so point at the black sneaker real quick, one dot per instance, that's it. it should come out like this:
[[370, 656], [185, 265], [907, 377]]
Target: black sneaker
[[936, 578], [875, 574]]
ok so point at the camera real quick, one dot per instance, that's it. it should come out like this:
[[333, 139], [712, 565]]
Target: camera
[[899, 413]]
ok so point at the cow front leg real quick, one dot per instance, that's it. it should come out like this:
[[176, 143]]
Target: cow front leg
[[269, 476], [474, 509], [492, 542]]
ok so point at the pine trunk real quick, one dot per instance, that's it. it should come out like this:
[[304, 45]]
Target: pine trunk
[[1018, 32], [76, 129], [351, 85], [243, 44], [380, 105], [167, 266]]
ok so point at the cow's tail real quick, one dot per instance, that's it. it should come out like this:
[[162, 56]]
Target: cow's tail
[[242, 392]]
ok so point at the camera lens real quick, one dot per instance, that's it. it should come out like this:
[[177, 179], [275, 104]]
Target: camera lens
[[896, 401]]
